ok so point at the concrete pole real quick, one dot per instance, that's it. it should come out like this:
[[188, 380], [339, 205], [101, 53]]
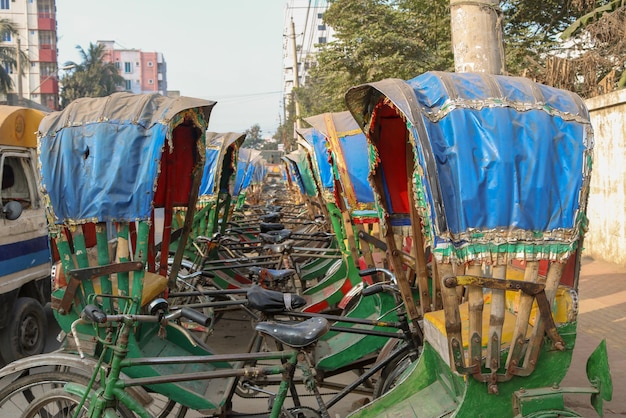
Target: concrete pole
[[477, 36], [296, 77]]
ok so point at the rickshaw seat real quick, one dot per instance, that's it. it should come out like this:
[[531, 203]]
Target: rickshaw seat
[[153, 285], [563, 309], [435, 329], [506, 324]]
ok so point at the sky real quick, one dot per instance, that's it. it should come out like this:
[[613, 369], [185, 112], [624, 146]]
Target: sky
[[229, 51]]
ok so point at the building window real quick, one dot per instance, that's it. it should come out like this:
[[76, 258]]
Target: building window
[[150, 64], [321, 27], [321, 40], [151, 81], [6, 36], [4, 4], [128, 68], [7, 68], [320, 15], [129, 85], [117, 65], [137, 64]]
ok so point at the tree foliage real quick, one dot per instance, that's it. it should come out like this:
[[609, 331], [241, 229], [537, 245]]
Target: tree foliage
[[253, 137], [376, 39], [93, 77], [8, 57], [597, 59]]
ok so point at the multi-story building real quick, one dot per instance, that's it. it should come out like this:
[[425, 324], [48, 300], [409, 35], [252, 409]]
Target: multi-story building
[[304, 25], [144, 72], [35, 21]]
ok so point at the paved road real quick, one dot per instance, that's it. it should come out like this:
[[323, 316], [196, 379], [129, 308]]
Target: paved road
[[602, 315]]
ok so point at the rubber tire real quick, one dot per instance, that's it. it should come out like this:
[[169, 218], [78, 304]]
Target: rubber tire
[[57, 397], [391, 373], [20, 392], [25, 334], [23, 387]]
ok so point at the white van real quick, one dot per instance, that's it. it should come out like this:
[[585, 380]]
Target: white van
[[24, 245]]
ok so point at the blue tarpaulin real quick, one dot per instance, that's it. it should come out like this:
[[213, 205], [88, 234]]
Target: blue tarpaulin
[[498, 158], [350, 155], [317, 142], [100, 157], [215, 167]]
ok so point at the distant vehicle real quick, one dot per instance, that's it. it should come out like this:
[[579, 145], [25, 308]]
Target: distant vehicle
[[25, 265]]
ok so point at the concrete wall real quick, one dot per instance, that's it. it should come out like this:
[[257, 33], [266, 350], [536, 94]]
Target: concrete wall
[[606, 239]]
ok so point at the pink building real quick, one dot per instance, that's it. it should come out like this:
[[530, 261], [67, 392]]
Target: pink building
[[144, 72]]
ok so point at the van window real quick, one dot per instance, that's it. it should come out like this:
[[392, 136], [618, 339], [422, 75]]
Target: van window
[[15, 181]]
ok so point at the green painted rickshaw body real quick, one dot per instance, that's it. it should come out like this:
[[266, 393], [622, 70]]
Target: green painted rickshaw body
[[146, 342], [337, 349], [430, 389]]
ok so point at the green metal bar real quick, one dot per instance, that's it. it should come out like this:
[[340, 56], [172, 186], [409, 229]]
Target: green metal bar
[[80, 251], [225, 214], [141, 253], [104, 258], [123, 255]]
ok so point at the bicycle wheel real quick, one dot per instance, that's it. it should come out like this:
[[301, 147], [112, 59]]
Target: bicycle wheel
[[15, 397], [392, 374], [56, 403]]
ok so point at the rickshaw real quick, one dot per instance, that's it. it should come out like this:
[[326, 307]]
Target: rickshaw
[[246, 166], [113, 170], [340, 151], [484, 180]]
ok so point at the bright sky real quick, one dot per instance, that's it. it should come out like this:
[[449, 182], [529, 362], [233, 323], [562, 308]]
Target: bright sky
[[230, 51]]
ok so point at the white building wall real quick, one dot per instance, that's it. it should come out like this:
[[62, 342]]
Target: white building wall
[[130, 69], [606, 238], [309, 30]]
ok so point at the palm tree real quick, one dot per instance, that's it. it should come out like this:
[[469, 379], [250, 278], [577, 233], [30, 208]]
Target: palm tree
[[8, 56], [93, 77]]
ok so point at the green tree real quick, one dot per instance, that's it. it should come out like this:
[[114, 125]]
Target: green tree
[[8, 57], [93, 77], [253, 137], [376, 39]]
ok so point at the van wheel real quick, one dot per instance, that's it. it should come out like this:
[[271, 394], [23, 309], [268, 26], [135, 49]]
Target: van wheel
[[25, 334]]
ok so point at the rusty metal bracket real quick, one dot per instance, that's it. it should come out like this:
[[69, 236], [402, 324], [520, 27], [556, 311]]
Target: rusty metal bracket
[[77, 276], [529, 288]]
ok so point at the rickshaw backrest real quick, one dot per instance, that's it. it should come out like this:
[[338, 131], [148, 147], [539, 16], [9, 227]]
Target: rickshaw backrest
[[112, 170]]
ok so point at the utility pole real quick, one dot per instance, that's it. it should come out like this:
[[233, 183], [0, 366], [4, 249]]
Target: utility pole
[[296, 76], [18, 60], [477, 36]]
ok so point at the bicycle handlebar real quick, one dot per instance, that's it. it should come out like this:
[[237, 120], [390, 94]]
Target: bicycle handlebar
[[374, 270], [92, 313], [379, 287]]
